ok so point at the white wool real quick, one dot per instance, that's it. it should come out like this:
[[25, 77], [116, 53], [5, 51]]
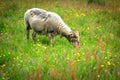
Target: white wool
[[40, 19]]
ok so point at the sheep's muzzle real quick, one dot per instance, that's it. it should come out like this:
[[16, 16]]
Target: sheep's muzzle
[[76, 44]]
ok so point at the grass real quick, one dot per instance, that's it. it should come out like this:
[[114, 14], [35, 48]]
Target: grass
[[98, 58]]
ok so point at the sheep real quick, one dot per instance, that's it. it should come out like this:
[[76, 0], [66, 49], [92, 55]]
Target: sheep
[[49, 24]]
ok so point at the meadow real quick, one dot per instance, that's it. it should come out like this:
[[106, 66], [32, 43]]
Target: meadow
[[98, 57]]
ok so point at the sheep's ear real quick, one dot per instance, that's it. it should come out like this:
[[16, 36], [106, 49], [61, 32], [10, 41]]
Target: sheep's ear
[[76, 33]]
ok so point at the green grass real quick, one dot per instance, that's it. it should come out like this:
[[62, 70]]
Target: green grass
[[98, 57]]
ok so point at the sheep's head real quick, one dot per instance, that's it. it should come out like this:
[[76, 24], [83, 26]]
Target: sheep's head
[[74, 39]]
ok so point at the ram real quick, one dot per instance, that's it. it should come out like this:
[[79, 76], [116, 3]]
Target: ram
[[49, 24]]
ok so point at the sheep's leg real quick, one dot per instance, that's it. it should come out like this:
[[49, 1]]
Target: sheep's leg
[[51, 38], [27, 29], [28, 32], [34, 36], [51, 41]]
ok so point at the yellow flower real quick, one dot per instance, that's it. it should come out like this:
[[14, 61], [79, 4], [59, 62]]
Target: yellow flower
[[94, 68], [67, 58], [115, 55], [3, 78], [78, 60], [18, 64], [17, 57], [3, 65], [78, 54], [8, 52], [113, 64], [98, 75], [102, 65], [44, 47], [14, 58], [82, 14], [92, 57], [21, 61], [106, 70], [76, 15], [38, 45], [88, 28], [111, 35], [109, 63], [84, 59], [105, 57]]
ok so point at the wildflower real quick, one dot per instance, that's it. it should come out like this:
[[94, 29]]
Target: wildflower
[[84, 59], [117, 62], [73, 63], [94, 68], [18, 64], [109, 63], [78, 54], [105, 57], [92, 57], [21, 61], [83, 53], [78, 60], [106, 70], [44, 47], [3, 65], [17, 57], [115, 55], [67, 58], [84, 68], [38, 45], [111, 35], [76, 15], [3, 78], [8, 52], [13, 65], [14, 58], [82, 14], [84, 44], [98, 75], [113, 64], [102, 65], [88, 28], [108, 52]]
